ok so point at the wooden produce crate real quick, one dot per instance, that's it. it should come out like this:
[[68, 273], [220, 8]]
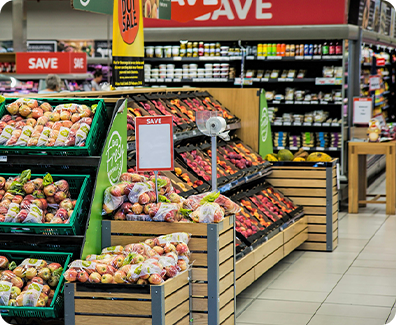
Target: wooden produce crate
[[313, 186], [254, 264], [110, 304], [212, 249]]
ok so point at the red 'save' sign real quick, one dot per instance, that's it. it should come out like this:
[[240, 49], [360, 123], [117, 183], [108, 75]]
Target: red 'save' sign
[[380, 62], [50, 62], [186, 10], [154, 143]]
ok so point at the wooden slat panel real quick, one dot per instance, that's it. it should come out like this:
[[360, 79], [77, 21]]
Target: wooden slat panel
[[315, 210], [199, 289], [335, 207], [321, 228], [226, 252], [321, 237], [317, 246], [227, 296], [295, 242], [226, 311], [294, 229], [226, 267], [298, 168], [244, 264], [109, 320], [316, 174], [178, 313], [268, 262], [146, 227], [278, 182], [200, 259], [112, 307], [227, 224], [334, 181], [226, 238], [199, 304], [321, 219], [312, 201], [268, 247], [200, 318], [125, 240], [110, 295], [175, 283], [244, 281], [199, 274], [310, 192], [229, 321], [184, 321], [226, 282], [176, 298]]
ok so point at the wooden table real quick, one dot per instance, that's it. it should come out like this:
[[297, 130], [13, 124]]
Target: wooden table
[[357, 180]]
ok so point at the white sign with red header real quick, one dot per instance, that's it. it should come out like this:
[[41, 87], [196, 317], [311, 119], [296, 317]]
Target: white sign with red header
[[154, 143], [362, 110], [51, 62], [375, 83]]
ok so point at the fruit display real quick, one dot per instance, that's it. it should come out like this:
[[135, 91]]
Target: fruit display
[[300, 155], [38, 200], [134, 199], [150, 262], [36, 123], [32, 283], [239, 155], [246, 224]]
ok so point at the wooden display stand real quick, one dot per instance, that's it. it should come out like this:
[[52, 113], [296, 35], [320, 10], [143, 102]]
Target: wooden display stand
[[212, 249], [357, 186], [164, 304], [315, 188], [250, 267]]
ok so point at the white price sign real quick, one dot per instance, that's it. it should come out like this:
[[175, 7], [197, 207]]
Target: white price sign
[[375, 83], [362, 110], [154, 143]]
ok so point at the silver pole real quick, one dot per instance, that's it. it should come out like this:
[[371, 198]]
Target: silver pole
[[214, 164], [156, 184], [19, 19], [109, 21]]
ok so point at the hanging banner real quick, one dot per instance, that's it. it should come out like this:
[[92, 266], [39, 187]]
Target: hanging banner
[[128, 44], [255, 13], [98, 6], [265, 136]]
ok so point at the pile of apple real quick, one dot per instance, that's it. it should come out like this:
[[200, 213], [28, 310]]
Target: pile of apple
[[34, 123], [246, 224], [151, 262], [276, 197], [39, 200], [134, 199], [30, 284]]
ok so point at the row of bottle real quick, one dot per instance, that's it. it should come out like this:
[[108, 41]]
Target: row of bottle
[[331, 48]]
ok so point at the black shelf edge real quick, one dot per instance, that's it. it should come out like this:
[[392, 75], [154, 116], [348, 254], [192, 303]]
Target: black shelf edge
[[304, 125], [309, 148], [83, 161]]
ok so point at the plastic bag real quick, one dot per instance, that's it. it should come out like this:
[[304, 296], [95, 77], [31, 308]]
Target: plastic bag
[[81, 265], [174, 238], [62, 137], [113, 199], [139, 193], [5, 292], [12, 212], [168, 212], [33, 214], [208, 213], [6, 134], [16, 133], [25, 136], [194, 201], [44, 136], [137, 248], [113, 250], [32, 295], [76, 137]]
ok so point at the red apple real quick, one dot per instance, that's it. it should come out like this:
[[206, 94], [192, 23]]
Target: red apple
[[95, 277], [120, 277], [107, 278], [155, 279], [70, 275], [82, 276], [49, 190], [30, 273], [37, 279], [182, 265]]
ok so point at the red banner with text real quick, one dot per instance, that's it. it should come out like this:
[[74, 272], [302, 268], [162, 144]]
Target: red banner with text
[[51, 62], [263, 13]]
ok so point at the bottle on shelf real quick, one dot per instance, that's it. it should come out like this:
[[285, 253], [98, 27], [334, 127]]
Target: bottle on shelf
[[325, 49], [338, 48], [331, 48]]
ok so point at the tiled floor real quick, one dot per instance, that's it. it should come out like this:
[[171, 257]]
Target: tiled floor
[[354, 285]]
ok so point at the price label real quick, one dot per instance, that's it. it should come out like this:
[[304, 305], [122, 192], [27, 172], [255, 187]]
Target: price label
[[325, 124], [256, 79], [297, 102], [261, 58], [153, 80], [176, 80], [160, 80], [289, 79], [335, 124], [293, 148], [3, 158], [177, 58], [323, 102], [299, 57], [308, 57], [264, 79], [297, 124], [145, 80], [289, 102], [314, 102], [250, 57], [320, 148], [307, 124], [317, 124], [307, 103], [276, 102], [274, 58], [277, 123], [280, 148], [317, 57], [281, 79], [306, 148], [286, 123], [168, 80], [333, 148]]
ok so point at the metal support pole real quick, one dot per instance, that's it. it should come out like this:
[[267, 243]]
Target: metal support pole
[[214, 164], [158, 304], [156, 184], [19, 19], [106, 233], [213, 275], [70, 318], [329, 209]]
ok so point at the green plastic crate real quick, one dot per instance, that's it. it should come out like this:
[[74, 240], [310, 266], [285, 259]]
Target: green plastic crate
[[55, 310], [93, 142], [80, 186]]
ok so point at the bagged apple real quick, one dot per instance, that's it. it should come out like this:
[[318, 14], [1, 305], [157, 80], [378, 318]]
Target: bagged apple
[[5, 292], [31, 297], [113, 198], [6, 134], [133, 178], [12, 212], [81, 265], [113, 250], [100, 257], [208, 213], [138, 248], [43, 138], [62, 137], [31, 215], [168, 212], [139, 193], [174, 238]]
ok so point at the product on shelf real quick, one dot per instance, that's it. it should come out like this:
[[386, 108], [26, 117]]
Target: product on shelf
[[35, 123], [39, 200], [150, 262], [300, 155], [134, 199], [32, 283]]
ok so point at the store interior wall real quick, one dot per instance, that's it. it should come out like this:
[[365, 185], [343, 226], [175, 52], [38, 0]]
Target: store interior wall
[[55, 20]]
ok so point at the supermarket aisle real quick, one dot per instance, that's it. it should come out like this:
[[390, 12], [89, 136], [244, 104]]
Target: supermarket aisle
[[354, 285]]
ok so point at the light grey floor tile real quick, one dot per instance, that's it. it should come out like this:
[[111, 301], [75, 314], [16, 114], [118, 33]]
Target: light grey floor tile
[[267, 317], [293, 256], [261, 284], [376, 256], [353, 311], [372, 271], [374, 263], [284, 306], [293, 295], [372, 280], [365, 288], [359, 299], [311, 265], [341, 320], [241, 304], [392, 317]]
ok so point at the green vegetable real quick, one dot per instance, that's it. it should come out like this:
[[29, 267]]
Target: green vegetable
[[25, 176], [47, 180], [162, 198]]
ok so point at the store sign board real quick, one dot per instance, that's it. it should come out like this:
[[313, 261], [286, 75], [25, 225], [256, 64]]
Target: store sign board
[[113, 163], [42, 46], [264, 13], [184, 11], [44, 62], [161, 9], [362, 110], [374, 83], [128, 44], [265, 136], [381, 62], [154, 143], [98, 6]]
